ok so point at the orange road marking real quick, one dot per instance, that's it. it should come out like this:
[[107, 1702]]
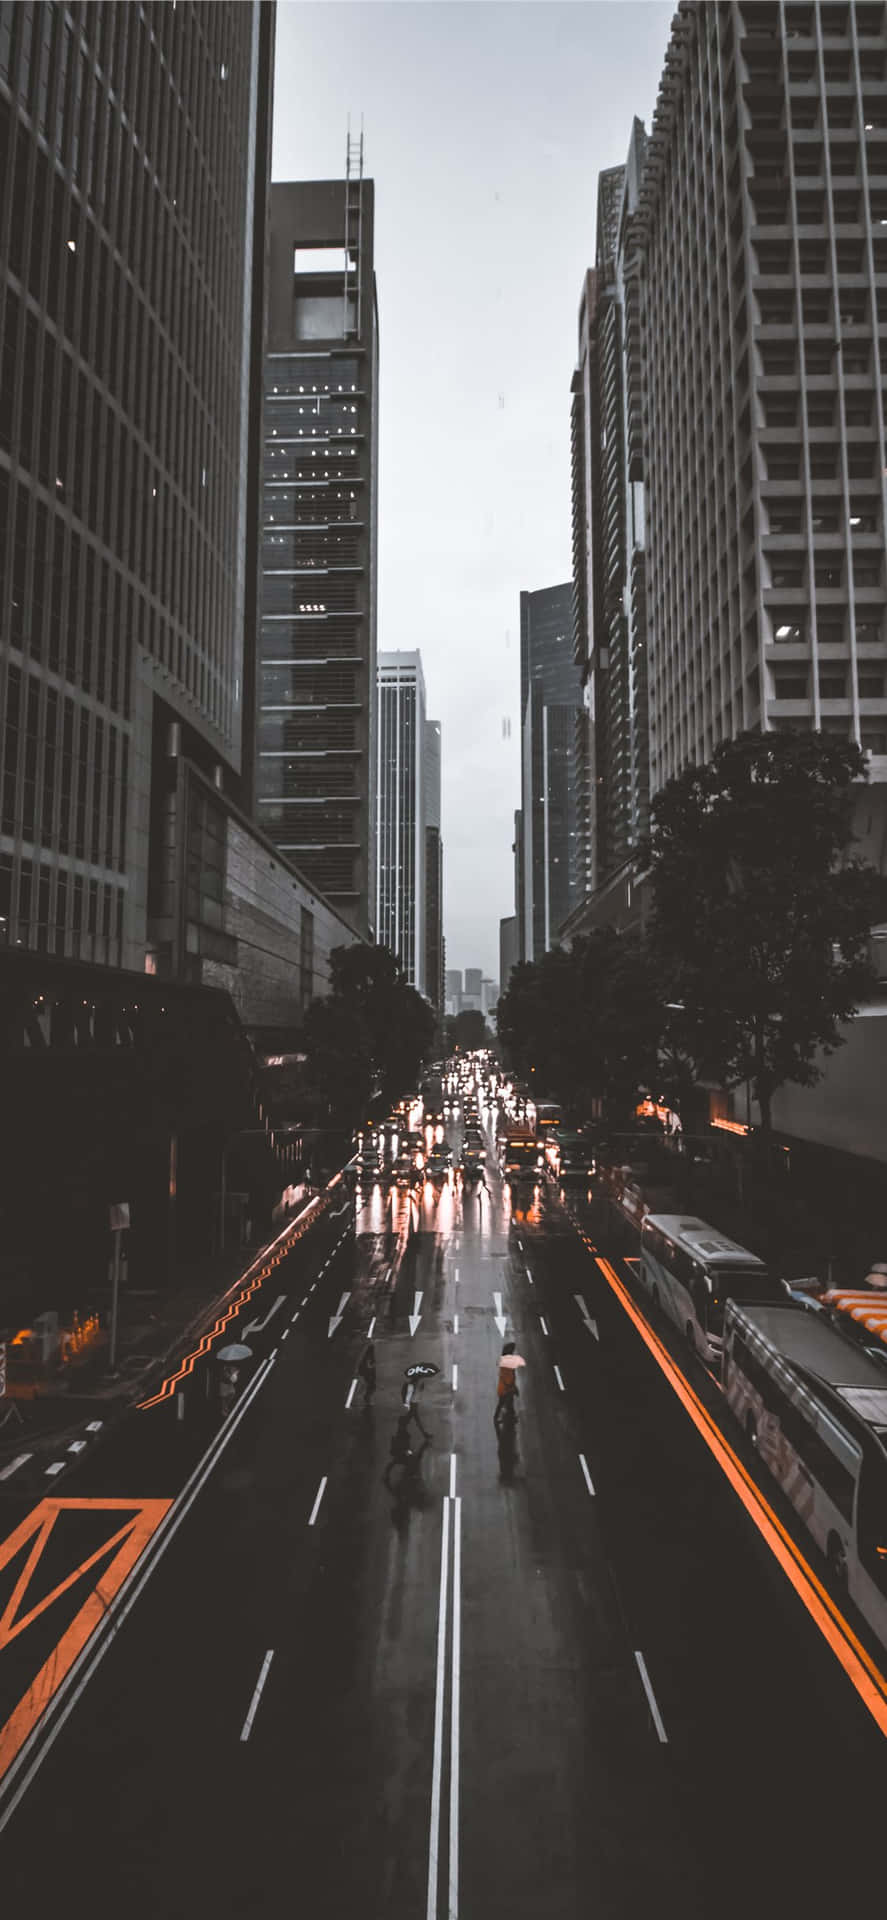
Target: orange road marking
[[208, 1340], [861, 1670], [127, 1545]]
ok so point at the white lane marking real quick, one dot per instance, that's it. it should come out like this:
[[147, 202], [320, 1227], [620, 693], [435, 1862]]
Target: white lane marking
[[416, 1314], [543, 1326], [456, 1276], [455, 1376], [351, 1392], [557, 1375], [434, 1821], [319, 1496], [588, 1479], [520, 1246], [456, 1662], [651, 1699], [499, 1316], [77, 1446], [247, 1725], [93, 1426], [295, 1316], [285, 1335], [336, 1318], [583, 1309], [452, 1476], [14, 1465], [371, 1326], [109, 1626], [258, 1326], [312, 1287], [455, 1322], [58, 1466], [529, 1275]]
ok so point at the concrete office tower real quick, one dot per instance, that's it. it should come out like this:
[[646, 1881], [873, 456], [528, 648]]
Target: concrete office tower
[[434, 940], [609, 602], [764, 256], [400, 807], [508, 955], [551, 695], [453, 1000], [134, 158], [316, 696]]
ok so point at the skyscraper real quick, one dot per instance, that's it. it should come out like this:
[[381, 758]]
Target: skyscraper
[[401, 804], [316, 695], [134, 158], [764, 257], [550, 700], [434, 940]]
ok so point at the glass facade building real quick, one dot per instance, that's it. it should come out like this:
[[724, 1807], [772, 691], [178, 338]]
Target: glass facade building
[[316, 689], [134, 155], [551, 700], [401, 811]]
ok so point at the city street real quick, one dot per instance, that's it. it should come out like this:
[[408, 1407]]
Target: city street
[[559, 1675]]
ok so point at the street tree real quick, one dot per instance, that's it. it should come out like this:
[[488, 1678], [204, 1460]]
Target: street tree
[[467, 1030], [373, 1028], [762, 912], [584, 1024]]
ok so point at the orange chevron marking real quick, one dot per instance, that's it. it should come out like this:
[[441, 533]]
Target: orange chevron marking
[[126, 1546]]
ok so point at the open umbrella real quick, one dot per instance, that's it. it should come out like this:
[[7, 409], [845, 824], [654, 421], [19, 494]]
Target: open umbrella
[[423, 1370], [235, 1351], [512, 1360]]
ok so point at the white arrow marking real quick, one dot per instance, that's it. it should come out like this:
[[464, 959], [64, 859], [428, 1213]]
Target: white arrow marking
[[258, 1326], [336, 1320], [583, 1309], [499, 1316], [415, 1316]]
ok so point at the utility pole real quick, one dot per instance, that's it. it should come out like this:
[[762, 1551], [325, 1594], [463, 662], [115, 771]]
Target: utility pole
[[119, 1224]]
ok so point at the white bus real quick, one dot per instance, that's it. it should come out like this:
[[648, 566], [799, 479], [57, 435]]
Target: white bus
[[814, 1407], [690, 1269]]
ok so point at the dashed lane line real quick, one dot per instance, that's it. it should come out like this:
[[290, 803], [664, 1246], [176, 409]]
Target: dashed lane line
[[13, 1467], [318, 1497], [557, 1375], [351, 1392], [588, 1479], [651, 1699], [246, 1729], [543, 1325]]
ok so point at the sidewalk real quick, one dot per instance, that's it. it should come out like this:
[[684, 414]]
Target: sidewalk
[[152, 1325]]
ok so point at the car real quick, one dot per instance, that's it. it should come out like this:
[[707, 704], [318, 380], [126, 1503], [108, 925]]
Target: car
[[438, 1165]]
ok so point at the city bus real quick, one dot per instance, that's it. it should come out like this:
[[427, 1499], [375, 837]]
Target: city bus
[[814, 1407], [690, 1269]]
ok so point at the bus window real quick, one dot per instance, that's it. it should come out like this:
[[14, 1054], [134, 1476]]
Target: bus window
[[836, 1481], [871, 1517]]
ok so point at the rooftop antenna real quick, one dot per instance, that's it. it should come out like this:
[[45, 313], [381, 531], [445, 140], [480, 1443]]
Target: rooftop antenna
[[353, 230]]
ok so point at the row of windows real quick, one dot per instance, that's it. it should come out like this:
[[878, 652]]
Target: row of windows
[[64, 773], [59, 911]]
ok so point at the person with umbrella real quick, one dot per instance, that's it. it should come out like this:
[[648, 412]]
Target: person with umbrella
[[414, 1382], [506, 1385]]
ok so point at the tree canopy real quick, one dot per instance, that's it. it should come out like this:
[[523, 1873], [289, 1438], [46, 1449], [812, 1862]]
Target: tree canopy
[[583, 1023], [372, 1029], [467, 1030], [761, 913]]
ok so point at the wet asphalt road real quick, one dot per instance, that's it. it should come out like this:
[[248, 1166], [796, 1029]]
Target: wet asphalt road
[[566, 1671]]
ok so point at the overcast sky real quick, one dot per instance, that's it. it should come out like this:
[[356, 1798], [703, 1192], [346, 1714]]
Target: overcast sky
[[486, 125]]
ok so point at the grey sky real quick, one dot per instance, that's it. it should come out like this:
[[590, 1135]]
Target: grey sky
[[486, 126]]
